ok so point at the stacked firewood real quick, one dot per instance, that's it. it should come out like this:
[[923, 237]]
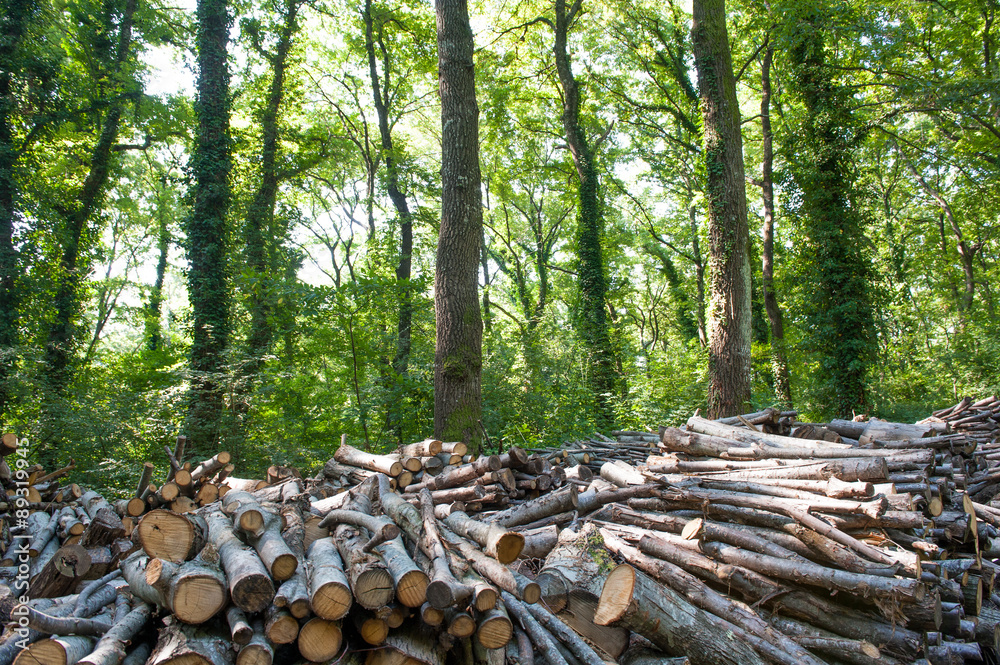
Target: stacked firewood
[[756, 539], [393, 567]]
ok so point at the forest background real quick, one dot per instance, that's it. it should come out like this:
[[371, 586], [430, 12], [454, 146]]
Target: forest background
[[876, 125]]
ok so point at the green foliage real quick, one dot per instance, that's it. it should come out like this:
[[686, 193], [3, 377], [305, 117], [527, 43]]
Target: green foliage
[[884, 120]]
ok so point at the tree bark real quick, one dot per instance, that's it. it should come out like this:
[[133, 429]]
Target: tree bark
[[458, 351], [207, 229], [779, 359], [592, 282], [729, 235]]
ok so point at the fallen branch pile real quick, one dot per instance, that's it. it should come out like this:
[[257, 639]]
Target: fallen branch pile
[[747, 540]]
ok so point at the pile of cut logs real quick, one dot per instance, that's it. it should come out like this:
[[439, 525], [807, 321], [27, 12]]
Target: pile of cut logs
[[755, 539]]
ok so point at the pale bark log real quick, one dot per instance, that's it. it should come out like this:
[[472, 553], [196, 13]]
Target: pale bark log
[[249, 584]]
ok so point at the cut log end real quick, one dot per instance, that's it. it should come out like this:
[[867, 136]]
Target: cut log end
[[411, 590], [508, 547], [254, 654], [616, 595], [495, 631], [331, 601], [319, 640], [198, 598], [284, 566], [166, 535], [253, 593], [374, 588]]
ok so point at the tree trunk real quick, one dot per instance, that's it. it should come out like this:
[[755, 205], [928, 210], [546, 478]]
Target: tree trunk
[[260, 231], [18, 13], [401, 360], [207, 229], [592, 280], [458, 352], [841, 318], [154, 327], [61, 340], [729, 235], [779, 359]]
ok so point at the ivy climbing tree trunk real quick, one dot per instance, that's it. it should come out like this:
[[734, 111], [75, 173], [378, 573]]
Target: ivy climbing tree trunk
[[14, 18], [62, 336], [458, 353], [729, 235], [260, 231], [154, 325], [404, 268], [779, 358], [592, 280], [840, 313], [207, 234]]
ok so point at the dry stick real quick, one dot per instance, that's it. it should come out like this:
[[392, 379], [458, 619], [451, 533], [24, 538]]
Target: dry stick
[[801, 516], [542, 638], [583, 652], [88, 591], [769, 642], [110, 649], [444, 589], [754, 587], [250, 585], [45, 623]]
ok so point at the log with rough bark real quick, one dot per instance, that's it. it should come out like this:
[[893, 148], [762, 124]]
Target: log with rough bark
[[182, 644], [561, 501], [771, 643], [110, 649], [193, 591], [503, 545], [350, 455], [250, 586], [635, 601], [444, 589], [274, 552], [329, 590]]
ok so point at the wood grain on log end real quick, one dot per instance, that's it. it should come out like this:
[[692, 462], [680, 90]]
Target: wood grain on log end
[[411, 590], [254, 654], [616, 595], [319, 640], [331, 601], [166, 535], [495, 629], [56, 651]]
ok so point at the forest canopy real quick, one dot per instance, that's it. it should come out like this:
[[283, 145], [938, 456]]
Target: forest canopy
[[245, 199]]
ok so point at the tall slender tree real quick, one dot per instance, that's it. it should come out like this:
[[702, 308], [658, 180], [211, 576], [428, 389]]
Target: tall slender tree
[[259, 230], [729, 235], [779, 357], [76, 213], [458, 356], [592, 280], [207, 229], [382, 94]]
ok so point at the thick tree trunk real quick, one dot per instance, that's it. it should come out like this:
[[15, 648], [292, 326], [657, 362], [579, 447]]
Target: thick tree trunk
[[779, 359], [207, 229], [729, 235], [458, 352]]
